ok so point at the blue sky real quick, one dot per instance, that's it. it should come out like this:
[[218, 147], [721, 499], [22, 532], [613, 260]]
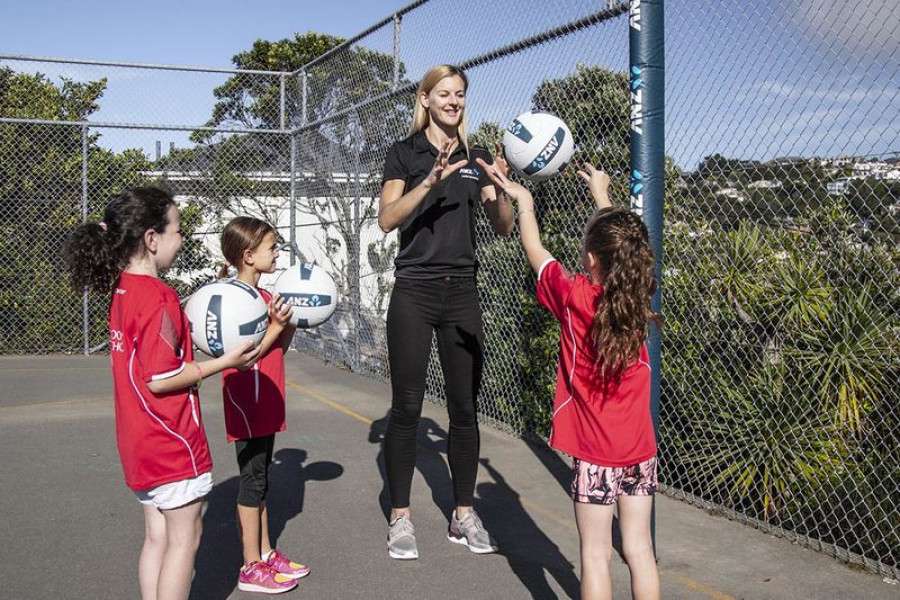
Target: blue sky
[[749, 80], [188, 32]]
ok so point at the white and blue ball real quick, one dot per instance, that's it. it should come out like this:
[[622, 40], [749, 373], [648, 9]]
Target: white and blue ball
[[311, 291], [224, 313], [538, 145]]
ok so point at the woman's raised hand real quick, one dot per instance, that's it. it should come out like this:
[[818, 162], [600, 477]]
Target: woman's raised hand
[[500, 160], [442, 169]]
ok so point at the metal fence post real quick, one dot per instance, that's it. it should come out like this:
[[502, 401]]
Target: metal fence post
[[303, 101], [293, 203], [85, 308], [356, 252], [397, 19], [281, 119]]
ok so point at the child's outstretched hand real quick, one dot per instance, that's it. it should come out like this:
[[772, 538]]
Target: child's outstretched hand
[[279, 311], [243, 356], [598, 183], [513, 190]]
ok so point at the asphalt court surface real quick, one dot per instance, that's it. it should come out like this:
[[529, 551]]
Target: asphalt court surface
[[73, 530]]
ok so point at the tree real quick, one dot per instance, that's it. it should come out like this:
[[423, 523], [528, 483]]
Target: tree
[[41, 201], [335, 159], [254, 101]]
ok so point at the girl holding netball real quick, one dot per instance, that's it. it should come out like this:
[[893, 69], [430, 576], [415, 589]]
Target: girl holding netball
[[161, 441], [255, 411]]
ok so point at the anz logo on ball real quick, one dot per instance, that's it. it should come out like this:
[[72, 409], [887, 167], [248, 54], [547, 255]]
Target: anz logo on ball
[[255, 326], [520, 131], [304, 300], [547, 154], [214, 326]]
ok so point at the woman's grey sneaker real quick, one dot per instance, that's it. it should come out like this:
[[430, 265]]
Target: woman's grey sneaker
[[470, 532], [402, 539]]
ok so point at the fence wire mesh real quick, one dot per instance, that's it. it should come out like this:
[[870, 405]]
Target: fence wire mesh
[[781, 288], [782, 273]]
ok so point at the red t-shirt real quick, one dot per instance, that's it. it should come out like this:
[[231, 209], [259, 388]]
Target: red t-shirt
[[160, 437], [254, 399], [610, 428]]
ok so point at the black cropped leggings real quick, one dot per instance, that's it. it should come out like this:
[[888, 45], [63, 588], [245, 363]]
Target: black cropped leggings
[[450, 307]]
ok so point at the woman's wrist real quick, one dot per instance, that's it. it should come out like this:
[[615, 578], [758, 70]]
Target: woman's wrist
[[524, 211]]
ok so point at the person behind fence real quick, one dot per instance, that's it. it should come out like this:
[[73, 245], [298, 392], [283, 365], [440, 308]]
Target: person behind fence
[[161, 441], [431, 191], [601, 410], [254, 402]]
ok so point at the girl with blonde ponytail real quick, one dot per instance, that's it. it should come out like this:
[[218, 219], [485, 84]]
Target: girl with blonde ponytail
[[601, 412]]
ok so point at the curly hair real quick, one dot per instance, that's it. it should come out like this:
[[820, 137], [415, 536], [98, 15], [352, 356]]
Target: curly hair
[[618, 240], [96, 253]]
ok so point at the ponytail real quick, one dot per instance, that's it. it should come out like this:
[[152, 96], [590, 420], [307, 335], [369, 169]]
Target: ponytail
[[618, 239], [91, 258], [96, 252]]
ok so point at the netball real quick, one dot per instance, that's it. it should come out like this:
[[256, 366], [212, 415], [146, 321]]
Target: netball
[[223, 314], [538, 145], [311, 291]]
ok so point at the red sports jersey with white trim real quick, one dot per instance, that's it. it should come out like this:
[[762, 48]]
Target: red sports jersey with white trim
[[254, 399], [160, 437], [609, 428]]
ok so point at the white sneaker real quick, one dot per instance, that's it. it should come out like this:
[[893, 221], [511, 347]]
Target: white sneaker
[[401, 540], [469, 531]]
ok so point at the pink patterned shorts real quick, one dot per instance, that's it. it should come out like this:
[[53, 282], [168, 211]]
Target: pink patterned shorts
[[596, 484]]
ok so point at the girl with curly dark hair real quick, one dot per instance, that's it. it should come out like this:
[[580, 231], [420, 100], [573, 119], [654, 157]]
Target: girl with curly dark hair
[[601, 412], [160, 436]]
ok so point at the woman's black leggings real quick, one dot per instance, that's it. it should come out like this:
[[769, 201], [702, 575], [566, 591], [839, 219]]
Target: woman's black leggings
[[418, 307]]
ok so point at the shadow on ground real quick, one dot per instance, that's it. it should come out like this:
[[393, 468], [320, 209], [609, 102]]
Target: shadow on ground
[[219, 557], [530, 553]]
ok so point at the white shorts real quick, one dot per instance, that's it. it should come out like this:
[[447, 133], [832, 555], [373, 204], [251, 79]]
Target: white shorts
[[176, 494]]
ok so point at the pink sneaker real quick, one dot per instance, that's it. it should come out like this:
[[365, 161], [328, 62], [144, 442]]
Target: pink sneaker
[[260, 577], [285, 566]]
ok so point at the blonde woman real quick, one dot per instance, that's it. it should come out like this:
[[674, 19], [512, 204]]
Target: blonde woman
[[432, 188]]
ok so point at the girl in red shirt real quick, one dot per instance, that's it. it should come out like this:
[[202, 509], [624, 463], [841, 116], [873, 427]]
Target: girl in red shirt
[[601, 412], [160, 436], [254, 410]]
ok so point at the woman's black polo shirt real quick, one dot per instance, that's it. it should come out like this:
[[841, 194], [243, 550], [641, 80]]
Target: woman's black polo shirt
[[438, 238]]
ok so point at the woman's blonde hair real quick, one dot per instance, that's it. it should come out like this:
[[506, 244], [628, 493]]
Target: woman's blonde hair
[[431, 79]]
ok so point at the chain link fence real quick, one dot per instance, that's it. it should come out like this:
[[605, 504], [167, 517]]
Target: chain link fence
[[781, 288], [780, 400]]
